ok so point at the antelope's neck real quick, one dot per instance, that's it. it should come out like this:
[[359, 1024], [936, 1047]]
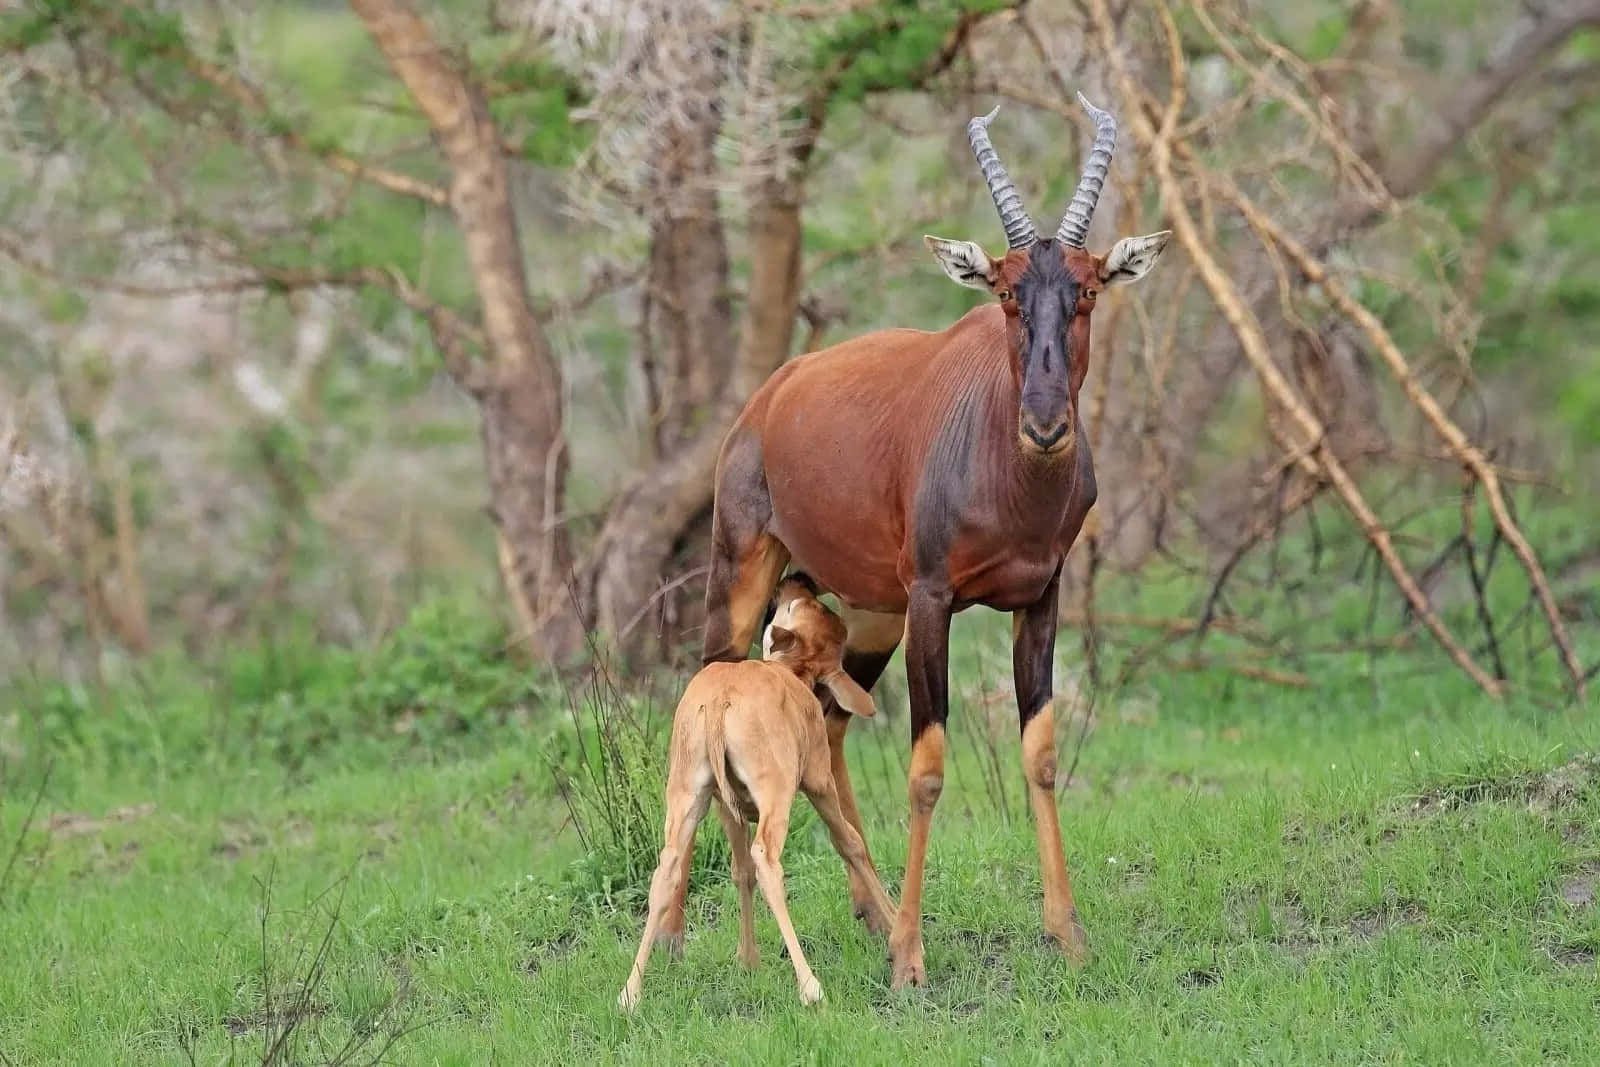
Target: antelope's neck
[[1034, 493]]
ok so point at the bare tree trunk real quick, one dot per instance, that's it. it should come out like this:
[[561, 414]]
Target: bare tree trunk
[[647, 519], [519, 388], [688, 319]]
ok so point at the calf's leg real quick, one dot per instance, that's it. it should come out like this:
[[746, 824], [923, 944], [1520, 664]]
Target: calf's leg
[[686, 806], [819, 787], [744, 876], [872, 639], [767, 853]]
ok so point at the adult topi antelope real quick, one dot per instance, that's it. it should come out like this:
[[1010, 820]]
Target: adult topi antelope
[[915, 474]]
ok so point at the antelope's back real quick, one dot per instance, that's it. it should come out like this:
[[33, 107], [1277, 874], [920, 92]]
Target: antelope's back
[[843, 434]]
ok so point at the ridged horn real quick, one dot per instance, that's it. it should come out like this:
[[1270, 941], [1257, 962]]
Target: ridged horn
[[1075, 223], [1019, 227]]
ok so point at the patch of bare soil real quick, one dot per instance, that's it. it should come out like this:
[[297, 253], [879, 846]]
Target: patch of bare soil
[[1579, 889], [1371, 924], [239, 1025], [238, 839], [1200, 977], [1282, 922], [1543, 793], [1573, 955], [76, 824]]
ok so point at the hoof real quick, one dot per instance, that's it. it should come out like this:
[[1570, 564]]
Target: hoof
[[750, 960], [877, 922], [671, 941], [908, 970], [1071, 942], [908, 974], [628, 999], [810, 991]]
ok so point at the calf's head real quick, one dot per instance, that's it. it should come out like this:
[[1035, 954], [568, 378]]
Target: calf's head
[[808, 638], [1047, 286]]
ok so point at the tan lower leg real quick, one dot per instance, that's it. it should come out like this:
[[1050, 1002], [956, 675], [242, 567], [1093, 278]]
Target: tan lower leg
[[875, 907], [1039, 766], [685, 809], [744, 877], [670, 933], [661, 890], [766, 854], [926, 782], [861, 894]]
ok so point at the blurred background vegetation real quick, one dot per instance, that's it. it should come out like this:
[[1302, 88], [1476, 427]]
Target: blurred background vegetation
[[265, 377], [360, 360]]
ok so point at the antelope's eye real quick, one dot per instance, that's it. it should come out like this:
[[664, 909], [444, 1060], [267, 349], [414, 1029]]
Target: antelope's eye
[[1090, 294], [1003, 294]]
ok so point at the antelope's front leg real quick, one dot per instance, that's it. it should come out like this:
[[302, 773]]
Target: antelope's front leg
[[927, 659], [1032, 660]]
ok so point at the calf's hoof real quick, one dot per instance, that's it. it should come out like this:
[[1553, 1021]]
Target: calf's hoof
[[628, 999], [671, 941], [811, 991]]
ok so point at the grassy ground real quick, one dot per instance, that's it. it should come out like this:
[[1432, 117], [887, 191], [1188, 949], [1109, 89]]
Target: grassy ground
[[1380, 869]]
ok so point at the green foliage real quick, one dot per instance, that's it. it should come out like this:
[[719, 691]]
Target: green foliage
[[1383, 868], [443, 681], [535, 99], [890, 45]]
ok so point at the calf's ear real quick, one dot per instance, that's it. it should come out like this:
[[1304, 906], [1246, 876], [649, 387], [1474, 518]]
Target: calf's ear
[[851, 697], [780, 639]]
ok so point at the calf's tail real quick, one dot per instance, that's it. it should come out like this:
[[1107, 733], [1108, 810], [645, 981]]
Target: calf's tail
[[717, 754]]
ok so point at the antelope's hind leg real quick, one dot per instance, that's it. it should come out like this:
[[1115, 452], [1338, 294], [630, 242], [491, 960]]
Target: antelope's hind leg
[[927, 663], [746, 560], [686, 806]]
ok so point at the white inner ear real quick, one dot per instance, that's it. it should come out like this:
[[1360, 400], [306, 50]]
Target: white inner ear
[[1132, 257], [784, 616], [966, 263]]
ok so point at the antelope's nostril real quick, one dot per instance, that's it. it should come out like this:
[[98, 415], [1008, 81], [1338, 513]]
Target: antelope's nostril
[[1045, 441]]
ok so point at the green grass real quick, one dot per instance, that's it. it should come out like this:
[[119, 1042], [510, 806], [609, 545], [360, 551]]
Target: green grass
[[1383, 868]]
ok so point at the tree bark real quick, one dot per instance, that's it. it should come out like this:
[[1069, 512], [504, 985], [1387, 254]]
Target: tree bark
[[519, 388], [648, 517], [689, 335]]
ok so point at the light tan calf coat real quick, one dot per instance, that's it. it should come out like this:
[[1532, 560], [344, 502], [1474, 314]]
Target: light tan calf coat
[[749, 735]]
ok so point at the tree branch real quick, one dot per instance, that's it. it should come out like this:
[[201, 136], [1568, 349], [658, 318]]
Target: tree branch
[[254, 100], [1410, 172]]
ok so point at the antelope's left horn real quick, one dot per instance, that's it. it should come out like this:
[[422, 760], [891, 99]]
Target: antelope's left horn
[[1075, 223]]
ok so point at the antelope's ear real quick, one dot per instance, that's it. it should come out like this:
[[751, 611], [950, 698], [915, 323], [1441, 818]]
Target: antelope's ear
[[965, 263], [780, 639], [851, 697], [1132, 257]]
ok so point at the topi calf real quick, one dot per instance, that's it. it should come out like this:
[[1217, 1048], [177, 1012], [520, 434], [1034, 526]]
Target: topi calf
[[749, 735]]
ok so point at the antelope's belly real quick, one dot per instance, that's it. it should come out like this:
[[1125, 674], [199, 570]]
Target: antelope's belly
[[852, 556], [1003, 579]]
